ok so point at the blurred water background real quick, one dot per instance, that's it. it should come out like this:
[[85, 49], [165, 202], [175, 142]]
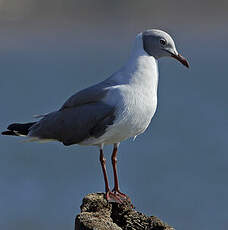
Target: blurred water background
[[177, 170]]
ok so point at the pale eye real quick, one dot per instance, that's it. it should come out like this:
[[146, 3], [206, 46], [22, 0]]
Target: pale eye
[[163, 42]]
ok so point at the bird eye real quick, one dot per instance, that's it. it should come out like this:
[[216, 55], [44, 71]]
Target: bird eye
[[163, 42]]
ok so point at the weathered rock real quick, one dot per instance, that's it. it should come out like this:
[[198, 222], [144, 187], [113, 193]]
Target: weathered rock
[[98, 214]]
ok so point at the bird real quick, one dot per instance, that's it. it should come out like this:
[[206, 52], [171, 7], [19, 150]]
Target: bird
[[111, 111]]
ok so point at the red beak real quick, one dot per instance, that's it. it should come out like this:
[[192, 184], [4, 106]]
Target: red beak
[[181, 59]]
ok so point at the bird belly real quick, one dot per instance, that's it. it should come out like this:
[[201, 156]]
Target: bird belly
[[133, 116]]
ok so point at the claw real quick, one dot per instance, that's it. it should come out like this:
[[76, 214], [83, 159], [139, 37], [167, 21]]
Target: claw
[[112, 197], [122, 196], [117, 197]]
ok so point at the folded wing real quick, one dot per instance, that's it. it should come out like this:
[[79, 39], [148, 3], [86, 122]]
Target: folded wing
[[82, 116]]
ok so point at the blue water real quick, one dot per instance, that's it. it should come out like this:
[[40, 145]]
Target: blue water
[[177, 170]]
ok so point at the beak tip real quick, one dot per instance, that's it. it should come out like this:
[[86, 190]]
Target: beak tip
[[181, 59], [187, 64]]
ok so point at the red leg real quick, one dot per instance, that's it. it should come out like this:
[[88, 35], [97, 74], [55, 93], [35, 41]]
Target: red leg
[[116, 189], [103, 165], [110, 196]]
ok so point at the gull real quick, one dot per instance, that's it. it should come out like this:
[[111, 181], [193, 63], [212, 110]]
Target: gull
[[111, 111]]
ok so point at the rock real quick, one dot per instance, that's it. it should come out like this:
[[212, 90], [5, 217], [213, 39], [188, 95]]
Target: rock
[[98, 214]]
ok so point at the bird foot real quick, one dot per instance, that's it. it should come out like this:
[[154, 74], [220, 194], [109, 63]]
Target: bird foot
[[122, 195], [116, 197]]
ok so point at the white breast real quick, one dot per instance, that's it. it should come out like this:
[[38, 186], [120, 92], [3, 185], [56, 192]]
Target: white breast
[[137, 99], [133, 115]]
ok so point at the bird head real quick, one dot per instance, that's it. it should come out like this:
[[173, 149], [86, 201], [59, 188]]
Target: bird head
[[158, 44]]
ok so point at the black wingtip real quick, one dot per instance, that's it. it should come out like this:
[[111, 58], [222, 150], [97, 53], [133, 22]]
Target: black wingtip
[[17, 129], [9, 133]]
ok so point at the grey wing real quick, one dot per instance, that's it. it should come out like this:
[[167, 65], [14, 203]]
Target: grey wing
[[82, 116], [89, 95], [73, 125]]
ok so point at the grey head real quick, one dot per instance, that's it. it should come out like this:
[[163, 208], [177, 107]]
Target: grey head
[[158, 44]]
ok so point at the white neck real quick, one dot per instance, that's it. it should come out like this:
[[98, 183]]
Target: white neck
[[141, 70]]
